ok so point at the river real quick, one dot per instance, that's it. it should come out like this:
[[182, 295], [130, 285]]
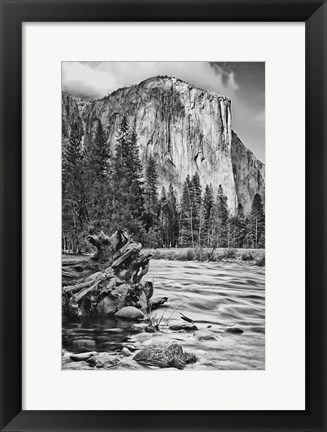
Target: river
[[220, 295]]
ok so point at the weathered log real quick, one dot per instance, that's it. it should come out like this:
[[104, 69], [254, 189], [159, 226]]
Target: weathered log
[[107, 281]]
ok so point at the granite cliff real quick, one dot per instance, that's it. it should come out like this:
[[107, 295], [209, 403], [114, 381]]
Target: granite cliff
[[185, 128]]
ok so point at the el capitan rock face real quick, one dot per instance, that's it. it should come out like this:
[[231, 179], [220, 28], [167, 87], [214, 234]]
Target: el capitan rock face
[[186, 129]]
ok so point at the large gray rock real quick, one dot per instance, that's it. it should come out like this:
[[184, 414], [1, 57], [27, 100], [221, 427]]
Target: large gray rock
[[234, 330], [126, 352], [83, 356], [130, 313], [156, 302], [164, 355], [104, 360], [183, 326]]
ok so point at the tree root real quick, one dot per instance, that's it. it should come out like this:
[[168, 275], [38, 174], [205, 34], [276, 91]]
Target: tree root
[[107, 281]]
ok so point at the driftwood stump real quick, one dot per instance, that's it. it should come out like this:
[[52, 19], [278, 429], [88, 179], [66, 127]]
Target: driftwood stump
[[109, 280]]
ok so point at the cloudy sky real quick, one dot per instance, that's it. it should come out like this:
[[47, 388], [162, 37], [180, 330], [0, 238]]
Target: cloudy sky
[[243, 83]]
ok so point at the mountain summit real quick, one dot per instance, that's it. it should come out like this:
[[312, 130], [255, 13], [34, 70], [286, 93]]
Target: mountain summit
[[185, 128]]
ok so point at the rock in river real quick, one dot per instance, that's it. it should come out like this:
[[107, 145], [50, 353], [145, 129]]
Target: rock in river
[[126, 352], [83, 356], [157, 302], [234, 330], [130, 313], [206, 337], [184, 326], [164, 356], [104, 360]]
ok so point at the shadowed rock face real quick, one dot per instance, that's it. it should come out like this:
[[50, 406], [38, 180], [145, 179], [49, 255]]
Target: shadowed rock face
[[70, 114], [186, 129]]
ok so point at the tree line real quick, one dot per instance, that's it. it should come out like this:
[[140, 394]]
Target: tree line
[[110, 190]]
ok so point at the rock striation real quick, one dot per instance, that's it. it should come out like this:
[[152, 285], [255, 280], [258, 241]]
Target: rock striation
[[185, 128]]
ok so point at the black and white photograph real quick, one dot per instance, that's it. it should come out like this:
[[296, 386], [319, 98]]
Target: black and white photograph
[[163, 215]]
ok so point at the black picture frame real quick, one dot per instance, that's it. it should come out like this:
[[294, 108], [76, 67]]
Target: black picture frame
[[13, 14]]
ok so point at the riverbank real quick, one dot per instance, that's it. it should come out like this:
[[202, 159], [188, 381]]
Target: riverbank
[[251, 256]]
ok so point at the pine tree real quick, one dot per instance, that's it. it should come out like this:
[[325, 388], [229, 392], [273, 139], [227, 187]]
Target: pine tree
[[241, 226], [186, 215], [134, 172], [262, 241], [151, 194], [97, 161], [97, 154], [247, 240], [74, 213], [128, 193], [119, 175], [154, 237], [164, 217], [208, 205], [236, 229], [72, 155], [257, 221], [191, 212], [173, 228], [221, 218], [232, 232], [196, 197], [200, 232]]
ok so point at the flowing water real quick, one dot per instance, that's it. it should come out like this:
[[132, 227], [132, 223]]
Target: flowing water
[[220, 295]]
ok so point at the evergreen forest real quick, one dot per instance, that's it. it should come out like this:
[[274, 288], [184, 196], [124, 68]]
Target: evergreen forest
[[112, 190]]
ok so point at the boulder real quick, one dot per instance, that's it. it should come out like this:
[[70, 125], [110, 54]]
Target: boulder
[[207, 337], [184, 326], [234, 330], [126, 352], [131, 347], [130, 313], [164, 356], [104, 360], [82, 356], [157, 302]]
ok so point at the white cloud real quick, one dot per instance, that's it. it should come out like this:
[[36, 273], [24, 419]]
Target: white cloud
[[100, 78], [231, 83]]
